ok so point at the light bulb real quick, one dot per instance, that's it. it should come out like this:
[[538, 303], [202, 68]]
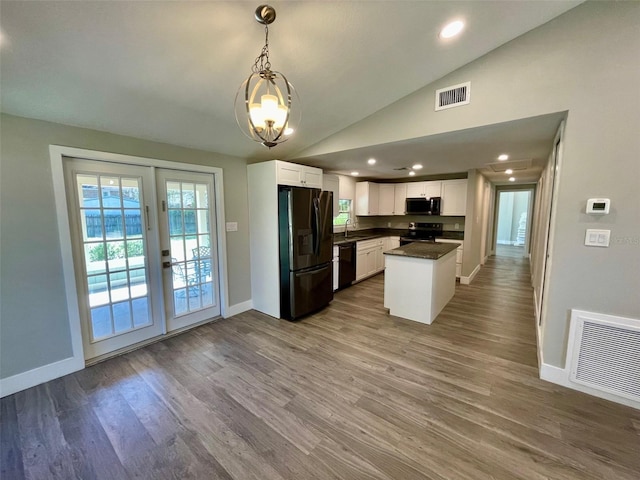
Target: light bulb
[[269, 107]]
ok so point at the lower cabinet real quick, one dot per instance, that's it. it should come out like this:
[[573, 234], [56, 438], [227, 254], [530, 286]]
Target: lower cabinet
[[369, 258], [370, 255], [459, 253]]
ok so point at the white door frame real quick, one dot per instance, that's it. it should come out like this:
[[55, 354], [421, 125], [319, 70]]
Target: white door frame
[[57, 154]]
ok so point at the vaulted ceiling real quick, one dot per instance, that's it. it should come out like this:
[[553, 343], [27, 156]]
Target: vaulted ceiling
[[169, 71]]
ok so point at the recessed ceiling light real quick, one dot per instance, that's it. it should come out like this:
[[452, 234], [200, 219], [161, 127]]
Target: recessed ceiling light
[[512, 179], [452, 29], [503, 157], [508, 171], [355, 174], [371, 161], [412, 173], [417, 166]]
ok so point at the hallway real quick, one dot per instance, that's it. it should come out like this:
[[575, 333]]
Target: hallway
[[348, 393]]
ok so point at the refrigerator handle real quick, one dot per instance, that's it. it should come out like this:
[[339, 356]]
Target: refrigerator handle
[[317, 234]]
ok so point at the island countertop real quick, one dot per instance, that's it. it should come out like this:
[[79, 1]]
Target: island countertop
[[426, 250]]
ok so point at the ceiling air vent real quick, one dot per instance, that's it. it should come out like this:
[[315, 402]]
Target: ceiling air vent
[[453, 96]]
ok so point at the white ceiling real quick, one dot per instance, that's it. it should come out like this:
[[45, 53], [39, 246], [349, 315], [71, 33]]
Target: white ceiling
[[169, 71], [527, 139]]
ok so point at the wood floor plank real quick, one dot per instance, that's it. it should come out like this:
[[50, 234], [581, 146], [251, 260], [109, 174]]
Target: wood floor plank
[[10, 445], [350, 392]]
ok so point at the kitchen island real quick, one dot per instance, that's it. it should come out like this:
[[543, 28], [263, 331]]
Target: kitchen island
[[419, 280]]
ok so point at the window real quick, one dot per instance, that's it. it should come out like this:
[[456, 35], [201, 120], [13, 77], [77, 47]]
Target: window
[[344, 212]]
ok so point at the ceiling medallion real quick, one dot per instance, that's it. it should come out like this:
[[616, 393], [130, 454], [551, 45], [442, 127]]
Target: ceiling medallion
[[267, 107]]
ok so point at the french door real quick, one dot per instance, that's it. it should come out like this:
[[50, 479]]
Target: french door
[[188, 244], [119, 237]]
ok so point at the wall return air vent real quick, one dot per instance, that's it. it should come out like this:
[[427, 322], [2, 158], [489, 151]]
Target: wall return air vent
[[453, 96], [604, 353]]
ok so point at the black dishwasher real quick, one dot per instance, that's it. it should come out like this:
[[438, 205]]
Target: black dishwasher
[[347, 269]]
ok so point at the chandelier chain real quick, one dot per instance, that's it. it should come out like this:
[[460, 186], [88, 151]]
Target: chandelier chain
[[262, 62]]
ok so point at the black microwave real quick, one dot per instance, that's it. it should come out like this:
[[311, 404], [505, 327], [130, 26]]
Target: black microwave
[[423, 206]]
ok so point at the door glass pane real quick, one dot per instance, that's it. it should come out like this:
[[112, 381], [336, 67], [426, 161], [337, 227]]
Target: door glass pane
[[188, 195], [140, 307], [121, 317], [174, 197], [202, 196], [94, 258], [101, 322], [113, 233], [190, 246], [98, 290]]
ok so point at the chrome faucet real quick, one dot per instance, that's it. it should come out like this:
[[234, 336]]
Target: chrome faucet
[[346, 227]]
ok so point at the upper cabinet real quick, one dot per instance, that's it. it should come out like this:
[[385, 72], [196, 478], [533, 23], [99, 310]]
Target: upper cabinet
[[331, 183], [454, 198], [424, 189], [390, 198], [400, 198], [386, 199], [298, 175], [367, 196]]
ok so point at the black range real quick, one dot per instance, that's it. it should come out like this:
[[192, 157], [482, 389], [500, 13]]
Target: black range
[[421, 232]]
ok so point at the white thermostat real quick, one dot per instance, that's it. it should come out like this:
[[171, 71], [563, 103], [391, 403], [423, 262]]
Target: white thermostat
[[598, 206]]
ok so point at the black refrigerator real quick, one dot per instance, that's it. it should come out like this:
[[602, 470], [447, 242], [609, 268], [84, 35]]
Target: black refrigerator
[[305, 219]]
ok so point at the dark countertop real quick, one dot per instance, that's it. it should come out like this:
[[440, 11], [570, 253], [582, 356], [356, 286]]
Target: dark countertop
[[453, 234], [368, 234], [425, 250]]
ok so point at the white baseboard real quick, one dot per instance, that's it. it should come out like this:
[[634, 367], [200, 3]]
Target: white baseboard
[[469, 279], [560, 376], [238, 308], [31, 378]]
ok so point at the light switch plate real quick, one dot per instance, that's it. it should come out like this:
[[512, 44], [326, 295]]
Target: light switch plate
[[232, 226], [597, 238]]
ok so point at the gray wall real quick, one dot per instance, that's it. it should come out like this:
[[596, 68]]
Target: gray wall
[[34, 329], [584, 62]]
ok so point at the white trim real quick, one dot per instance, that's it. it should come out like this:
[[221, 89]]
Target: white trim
[[66, 256], [560, 376], [38, 375], [547, 253], [469, 279], [239, 308]]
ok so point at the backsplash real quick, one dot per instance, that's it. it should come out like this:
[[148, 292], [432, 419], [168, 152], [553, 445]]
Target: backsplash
[[448, 223]]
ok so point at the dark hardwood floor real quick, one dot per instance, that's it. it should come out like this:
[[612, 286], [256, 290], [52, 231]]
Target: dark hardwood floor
[[349, 393]]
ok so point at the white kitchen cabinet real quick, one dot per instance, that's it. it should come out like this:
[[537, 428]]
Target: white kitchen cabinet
[[400, 198], [386, 199], [392, 242], [298, 175], [424, 189], [331, 183], [369, 258], [459, 253], [454, 198], [367, 197]]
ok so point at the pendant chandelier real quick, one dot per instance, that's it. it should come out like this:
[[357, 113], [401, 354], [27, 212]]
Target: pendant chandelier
[[263, 106]]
